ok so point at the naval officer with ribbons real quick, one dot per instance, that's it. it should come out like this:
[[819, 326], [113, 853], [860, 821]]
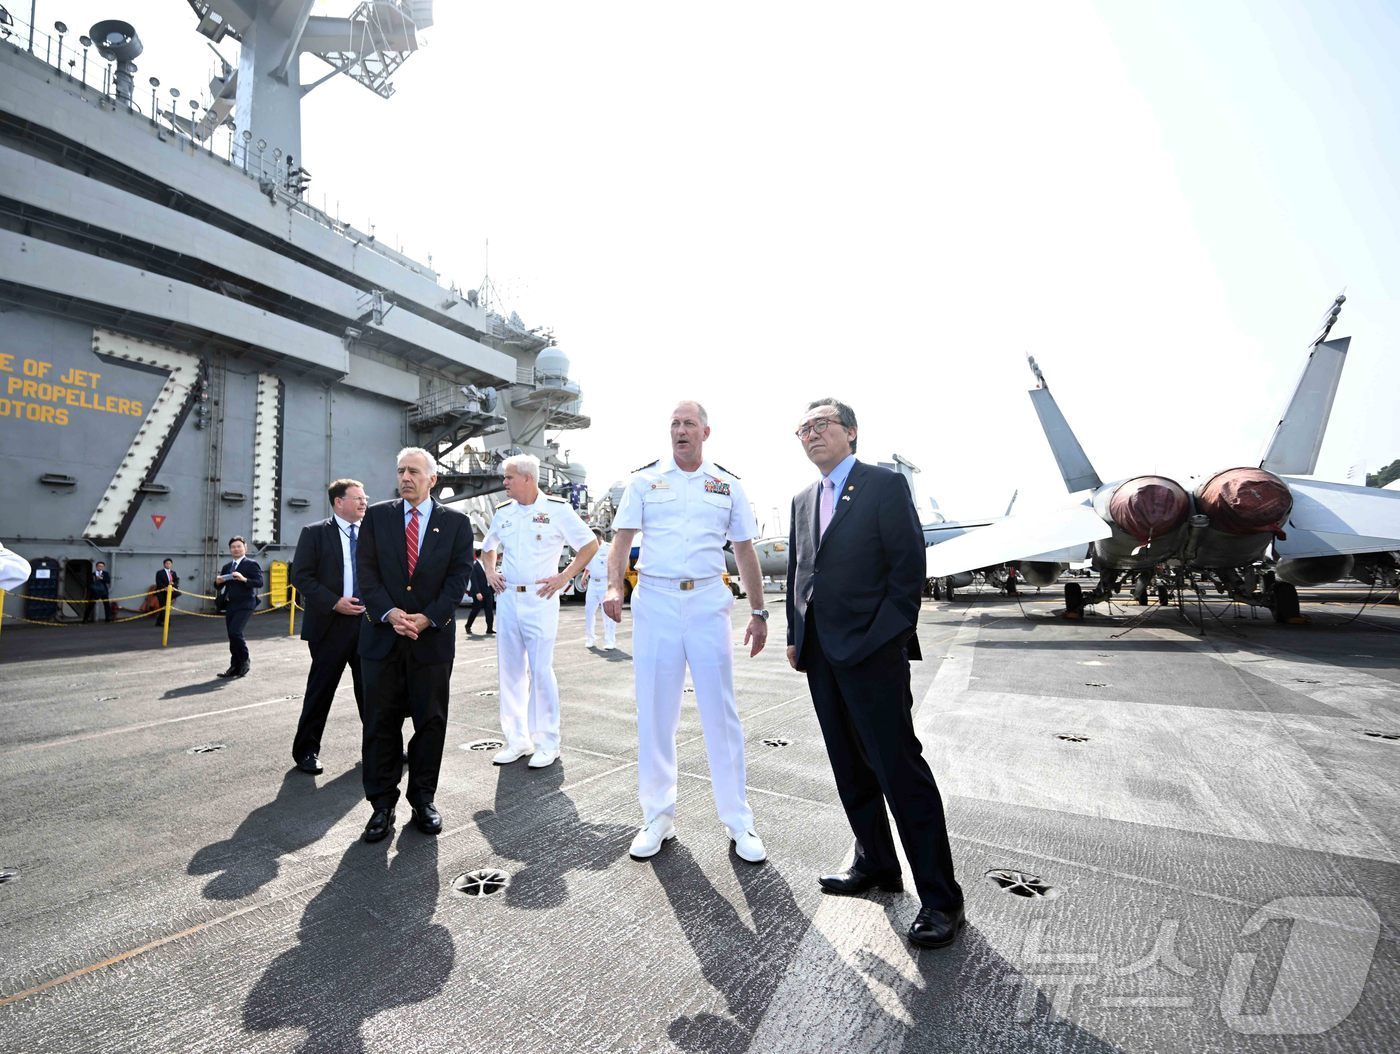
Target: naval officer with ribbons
[[532, 528], [686, 507]]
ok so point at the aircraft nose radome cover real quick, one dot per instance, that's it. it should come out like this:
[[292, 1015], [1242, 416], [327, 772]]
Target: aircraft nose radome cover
[[1245, 501], [1149, 506]]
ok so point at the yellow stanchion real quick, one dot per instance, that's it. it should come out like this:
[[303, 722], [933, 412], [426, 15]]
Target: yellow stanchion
[[291, 610], [169, 600]]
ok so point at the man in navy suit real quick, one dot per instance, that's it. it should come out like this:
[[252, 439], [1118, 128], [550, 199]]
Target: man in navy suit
[[323, 571], [413, 560], [239, 579], [483, 597], [99, 590], [855, 575], [166, 576]]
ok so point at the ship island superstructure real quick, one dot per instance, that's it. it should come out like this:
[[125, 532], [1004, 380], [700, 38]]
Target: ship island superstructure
[[190, 350]]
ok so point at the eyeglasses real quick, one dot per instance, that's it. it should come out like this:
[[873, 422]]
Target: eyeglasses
[[815, 427]]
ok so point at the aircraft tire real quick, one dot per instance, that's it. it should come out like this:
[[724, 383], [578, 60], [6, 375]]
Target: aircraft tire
[[1074, 599], [1285, 602], [1164, 595]]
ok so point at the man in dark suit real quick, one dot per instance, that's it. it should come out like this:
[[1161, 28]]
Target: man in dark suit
[[323, 571], [855, 574], [166, 576], [239, 580], [483, 597], [99, 590], [413, 562]]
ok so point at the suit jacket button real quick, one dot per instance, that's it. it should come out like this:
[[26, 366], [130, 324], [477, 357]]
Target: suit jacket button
[[409, 588]]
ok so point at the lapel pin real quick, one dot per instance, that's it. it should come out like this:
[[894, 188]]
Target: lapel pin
[[850, 486], [845, 497], [435, 530]]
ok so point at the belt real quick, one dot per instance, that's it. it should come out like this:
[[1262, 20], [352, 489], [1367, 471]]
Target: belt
[[683, 584], [517, 589]]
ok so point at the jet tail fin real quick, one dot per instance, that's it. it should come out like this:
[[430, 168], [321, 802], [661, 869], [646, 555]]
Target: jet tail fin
[[1297, 439], [1075, 468]]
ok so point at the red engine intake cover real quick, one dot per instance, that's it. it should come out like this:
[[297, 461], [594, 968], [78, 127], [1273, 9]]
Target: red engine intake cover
[[1245, 501], [1149, 506]]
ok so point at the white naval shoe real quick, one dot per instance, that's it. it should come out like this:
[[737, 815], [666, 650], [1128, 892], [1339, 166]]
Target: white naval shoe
[[542, 759], [650, 838], [589, 643], [505, 757], [749, 846]]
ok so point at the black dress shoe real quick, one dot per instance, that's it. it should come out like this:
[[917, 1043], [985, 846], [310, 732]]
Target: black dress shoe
[[936, 929], [242, 671], [428, 819], [856, 881], [310, 764], [380, 824], [232, 671], [490, 633]]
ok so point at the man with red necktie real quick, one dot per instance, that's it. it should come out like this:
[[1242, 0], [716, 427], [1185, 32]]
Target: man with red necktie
[[413, 559]]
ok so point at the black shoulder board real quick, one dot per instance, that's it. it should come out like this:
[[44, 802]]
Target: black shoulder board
[[647, 466], [727, 472], [554, 497], [503, 504]]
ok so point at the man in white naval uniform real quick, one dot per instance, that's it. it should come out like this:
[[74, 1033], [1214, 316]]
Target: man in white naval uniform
[[533, 529], [686, 507], [596, 593]]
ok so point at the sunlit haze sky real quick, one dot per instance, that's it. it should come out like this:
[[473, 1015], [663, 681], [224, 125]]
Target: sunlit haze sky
[[755, 205]]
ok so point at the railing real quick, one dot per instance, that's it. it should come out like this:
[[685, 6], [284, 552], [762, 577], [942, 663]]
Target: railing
[[258, 160]]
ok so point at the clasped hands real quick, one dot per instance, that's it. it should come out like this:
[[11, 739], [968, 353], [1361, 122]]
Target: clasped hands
[[406, 625]]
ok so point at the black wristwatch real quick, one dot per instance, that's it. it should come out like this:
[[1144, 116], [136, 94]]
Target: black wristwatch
[[759, 613]]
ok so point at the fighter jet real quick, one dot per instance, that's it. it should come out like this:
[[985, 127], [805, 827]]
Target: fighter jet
[[1253, 532]]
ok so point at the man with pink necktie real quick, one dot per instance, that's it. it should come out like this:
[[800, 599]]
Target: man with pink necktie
[[855, 576], [413, 559]]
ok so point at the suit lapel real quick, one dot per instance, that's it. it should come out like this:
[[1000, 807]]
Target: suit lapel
[[426, 536], [396, 532], [333, 537], [810, 511], [844, 500]]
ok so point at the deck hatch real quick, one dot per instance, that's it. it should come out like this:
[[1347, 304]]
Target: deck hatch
[[482, 882], [1022, 884]]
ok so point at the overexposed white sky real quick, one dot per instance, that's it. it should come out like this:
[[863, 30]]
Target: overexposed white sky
[[759, 204]]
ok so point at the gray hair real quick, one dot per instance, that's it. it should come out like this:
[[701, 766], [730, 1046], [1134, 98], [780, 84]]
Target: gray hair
[[700, 410], [844, 414], [432, 461], [524, 465]]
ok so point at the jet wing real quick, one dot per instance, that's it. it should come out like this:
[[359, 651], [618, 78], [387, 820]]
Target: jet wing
[[1332, 518], [1018, 538]]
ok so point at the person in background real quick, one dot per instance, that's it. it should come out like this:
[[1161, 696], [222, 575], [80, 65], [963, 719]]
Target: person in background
[[99, 590], [596, 585], [240, 580], [166, 576], [483, 597]]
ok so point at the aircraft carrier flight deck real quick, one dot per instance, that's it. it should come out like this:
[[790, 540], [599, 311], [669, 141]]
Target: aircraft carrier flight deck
[[1170, 840]]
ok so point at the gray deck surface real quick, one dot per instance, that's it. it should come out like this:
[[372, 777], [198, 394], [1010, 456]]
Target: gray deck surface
[[1220, 847]]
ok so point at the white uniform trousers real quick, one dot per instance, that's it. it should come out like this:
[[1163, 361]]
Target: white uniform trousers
[[673, 629], [593, 605], [526, 625]]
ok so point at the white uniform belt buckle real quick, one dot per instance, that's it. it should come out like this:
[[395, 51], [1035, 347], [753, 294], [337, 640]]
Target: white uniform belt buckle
[[520, 589], [687, 583]]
